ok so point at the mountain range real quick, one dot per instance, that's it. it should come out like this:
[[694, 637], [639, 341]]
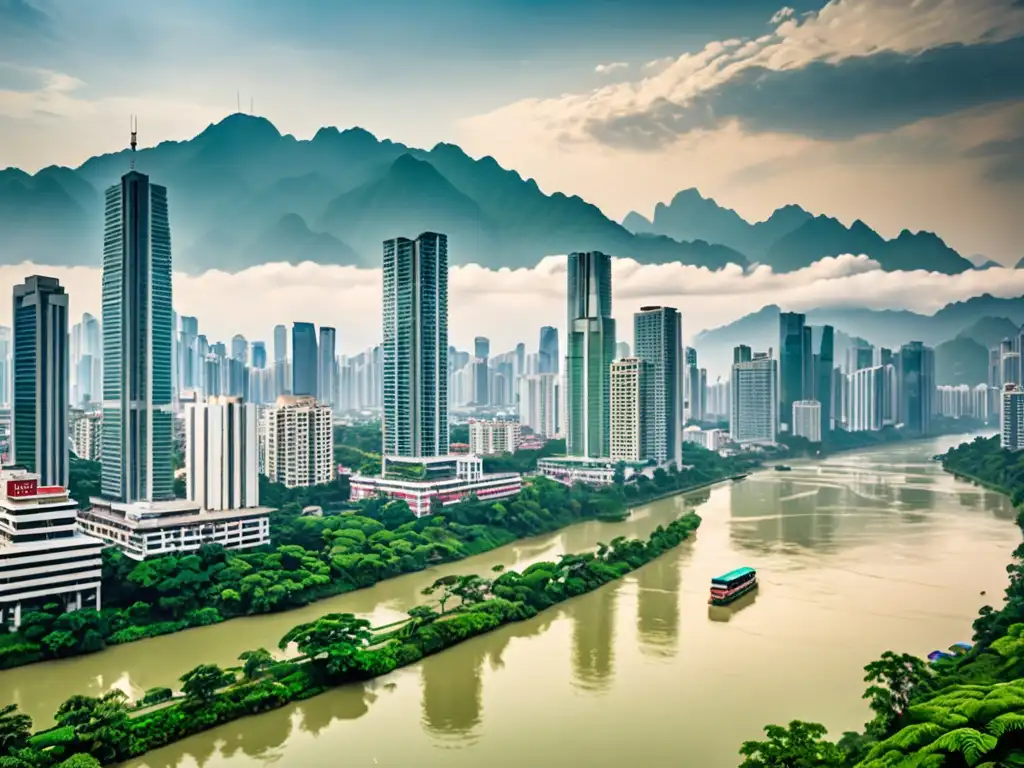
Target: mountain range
[[241, 194], [792, 238], [975, 324]]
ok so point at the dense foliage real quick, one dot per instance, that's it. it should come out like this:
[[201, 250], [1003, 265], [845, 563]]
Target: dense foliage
[[840, 440], [963, 711], [316, 557], [336, 649]]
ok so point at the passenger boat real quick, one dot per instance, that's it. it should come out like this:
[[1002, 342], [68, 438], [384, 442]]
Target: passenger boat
[[782, 468], [732, 585]]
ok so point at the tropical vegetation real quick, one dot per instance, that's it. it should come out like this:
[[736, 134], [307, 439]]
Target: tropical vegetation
[[965, 709], [333, 650]]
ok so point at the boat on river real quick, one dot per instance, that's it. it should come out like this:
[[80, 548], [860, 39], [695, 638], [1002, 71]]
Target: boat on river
[[731, 586], [782, 468]]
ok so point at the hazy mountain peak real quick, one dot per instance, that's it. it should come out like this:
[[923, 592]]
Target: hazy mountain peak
[[240, 126]]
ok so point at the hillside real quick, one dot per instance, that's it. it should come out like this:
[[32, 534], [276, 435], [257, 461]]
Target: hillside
[[241, 193]]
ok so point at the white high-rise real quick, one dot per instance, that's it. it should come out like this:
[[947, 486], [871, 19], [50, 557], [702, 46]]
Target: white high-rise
[[538, 403], [86, 432], [1012, 418], [221, 454], [807, 420], [753, 417], [632, 388], [299, 442], [487, 438]]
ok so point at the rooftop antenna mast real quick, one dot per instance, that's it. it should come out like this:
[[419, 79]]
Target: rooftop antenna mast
[[134, 141]]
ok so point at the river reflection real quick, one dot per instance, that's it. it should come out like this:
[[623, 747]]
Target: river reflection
[[640, 672]]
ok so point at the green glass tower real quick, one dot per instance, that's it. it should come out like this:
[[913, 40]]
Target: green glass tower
[[136, 441], [415, 346], [590, 350]]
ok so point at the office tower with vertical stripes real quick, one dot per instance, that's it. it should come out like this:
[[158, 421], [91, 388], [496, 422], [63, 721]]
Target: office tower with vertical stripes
[[39, 418], [658, 339], [304, 360], [327, 366], [137, 439], [590, 350], [415, 346]]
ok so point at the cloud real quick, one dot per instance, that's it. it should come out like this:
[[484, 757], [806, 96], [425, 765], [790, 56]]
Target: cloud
[[853, 67], [607, 69], [782, 14], [509, 306]]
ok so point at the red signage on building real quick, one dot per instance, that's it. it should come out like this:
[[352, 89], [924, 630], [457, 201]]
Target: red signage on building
[[22, 489]]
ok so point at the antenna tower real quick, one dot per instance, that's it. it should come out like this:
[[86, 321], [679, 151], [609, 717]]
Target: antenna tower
[[135, 135]]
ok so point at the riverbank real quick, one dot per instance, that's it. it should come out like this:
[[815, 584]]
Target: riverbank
[[340, 649], [299, 571]]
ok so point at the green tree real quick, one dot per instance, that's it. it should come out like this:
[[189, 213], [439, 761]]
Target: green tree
[[471, 589], [15, 728], [255, 662], [331, 642], [446, 586], [80, 761], [101, 724], [896, 678], [799, 745], [202, 683]]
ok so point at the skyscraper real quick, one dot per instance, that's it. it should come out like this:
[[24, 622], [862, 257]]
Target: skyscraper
[[137, 343], [326, 366], [547, 356], [5, 366], [590, 351], [259, 355], [481, 371], [658, 339], [823, 379], [39, 420], [240, 349], [282, 382], [792, 347], [304, 360], [915, 367], [753, 417], [415, 346]]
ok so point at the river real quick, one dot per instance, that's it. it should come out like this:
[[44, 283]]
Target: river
[[858, 554]]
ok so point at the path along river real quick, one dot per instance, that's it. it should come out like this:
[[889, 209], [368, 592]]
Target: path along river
[[859, 554]]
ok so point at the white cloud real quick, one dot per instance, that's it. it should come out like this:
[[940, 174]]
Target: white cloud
[[782, 14], [607, 69], [509, 306]]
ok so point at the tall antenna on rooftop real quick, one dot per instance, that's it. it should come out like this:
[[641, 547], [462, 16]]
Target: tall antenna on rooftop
[[135, 134]]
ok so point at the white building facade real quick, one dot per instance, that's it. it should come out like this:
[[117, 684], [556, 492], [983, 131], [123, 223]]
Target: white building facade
[[221, 454], [86, 432], [807, 420], [487, 438], [631, 385], [299, 442], [754, 414], [1012, 418], [44, 556], [539, 402]]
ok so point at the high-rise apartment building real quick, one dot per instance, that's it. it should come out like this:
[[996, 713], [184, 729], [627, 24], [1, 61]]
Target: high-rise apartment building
[[415, 346], [1012, 418], [538, 403], [5, 366], [137, 343], [633, 387], [590, 351], [282, 377], [221, 454], [807, 420], [304, 360], [487, 438], [695, 386], [753, 416], [915, 374], [658, 339], [85, 434], [299, 450], [39, 417]]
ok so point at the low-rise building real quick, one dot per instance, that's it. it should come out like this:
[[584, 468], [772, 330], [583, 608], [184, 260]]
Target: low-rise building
[[44, 556], [711, 439], [446, 479], [487, 438], [592, 471], [144, 529]]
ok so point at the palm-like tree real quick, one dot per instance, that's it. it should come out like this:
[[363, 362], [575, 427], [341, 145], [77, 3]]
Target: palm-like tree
[[15, 728]]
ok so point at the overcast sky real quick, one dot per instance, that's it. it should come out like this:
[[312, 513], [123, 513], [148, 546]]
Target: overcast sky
[[903, 114]]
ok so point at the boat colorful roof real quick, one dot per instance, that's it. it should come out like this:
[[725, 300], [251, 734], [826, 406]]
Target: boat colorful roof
[[734, 574]]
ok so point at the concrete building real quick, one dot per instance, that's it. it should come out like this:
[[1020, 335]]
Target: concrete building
[[39, 416], [222, 454], [915, 371], [86, 432], [632, 388], [590, 471], [807, 420], [59, 565], [753, 417], [709, 439], [538, 403], [444, 480], [415, 346], [137, 442], [589, 355], [487, 438], [658, 339], [305, 360], [299, 442], [1012, 418]]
